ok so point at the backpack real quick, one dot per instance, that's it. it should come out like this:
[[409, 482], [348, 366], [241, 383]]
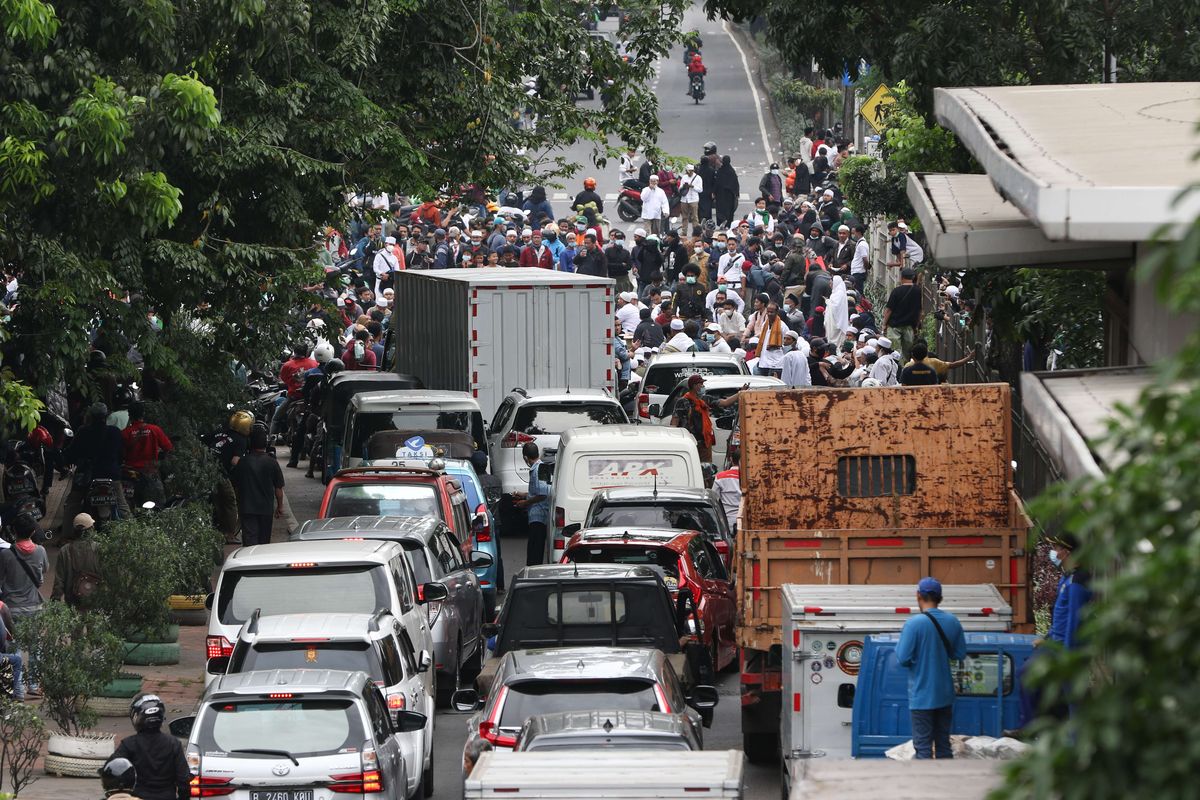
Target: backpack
[[84, 587], [757, 278]]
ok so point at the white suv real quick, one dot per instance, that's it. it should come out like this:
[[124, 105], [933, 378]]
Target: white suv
[[667, 370], [541, 415], [376, 644]]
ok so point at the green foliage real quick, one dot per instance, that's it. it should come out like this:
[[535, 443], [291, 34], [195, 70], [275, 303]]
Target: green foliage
[[797, 104], [75, 654], [198, 546], [141, 570], [1131, 683], [22, 733], [868, 189]]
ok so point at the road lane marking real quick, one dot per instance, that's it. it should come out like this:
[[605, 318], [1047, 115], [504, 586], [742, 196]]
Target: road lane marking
[[762, 126]]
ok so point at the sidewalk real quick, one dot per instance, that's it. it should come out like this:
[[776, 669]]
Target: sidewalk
[[179, 685]]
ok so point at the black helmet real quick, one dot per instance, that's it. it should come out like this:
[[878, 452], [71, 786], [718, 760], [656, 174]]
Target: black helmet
[[334, 366], [118, 774], [146, 712], [710, 148]]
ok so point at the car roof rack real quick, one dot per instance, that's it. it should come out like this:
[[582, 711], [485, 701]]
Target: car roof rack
[[386, 470]]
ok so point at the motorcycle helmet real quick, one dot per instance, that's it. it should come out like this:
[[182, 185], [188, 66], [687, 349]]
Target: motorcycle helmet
[[334, 366], [98, 411], [710, 148], [117, 775], [589, 183], [316, 324], [147, 712], [323, 352], [241, 422]]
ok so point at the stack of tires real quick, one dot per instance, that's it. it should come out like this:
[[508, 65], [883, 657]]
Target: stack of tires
[[153, 649], [79, 756], [188, 609], [113, 700]]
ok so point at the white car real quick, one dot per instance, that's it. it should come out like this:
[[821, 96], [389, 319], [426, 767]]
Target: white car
[[306, 734], [667, 370], [376, 644], [717, 387], [540, 416]]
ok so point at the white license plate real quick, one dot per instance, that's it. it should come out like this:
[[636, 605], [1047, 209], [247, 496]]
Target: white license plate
[[282, 794]]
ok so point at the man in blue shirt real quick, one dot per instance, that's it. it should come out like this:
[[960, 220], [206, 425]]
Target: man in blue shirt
[[537, 500], [928, 643]]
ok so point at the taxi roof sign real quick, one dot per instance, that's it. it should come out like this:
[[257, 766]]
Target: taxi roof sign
[[877, 107]]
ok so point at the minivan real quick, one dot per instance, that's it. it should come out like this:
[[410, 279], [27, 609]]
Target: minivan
[[410, 410], [610, 456]]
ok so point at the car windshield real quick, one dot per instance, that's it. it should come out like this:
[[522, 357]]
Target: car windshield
[[536, 420], [344, 656], [358, 589], [662, 379], [636, 614], [384, 499], [300, 727], [413, 418], [527, 698], [418, 559], [629, 554], [651, 514]]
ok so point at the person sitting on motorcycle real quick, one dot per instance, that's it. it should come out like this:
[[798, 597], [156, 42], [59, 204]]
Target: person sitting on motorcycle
[[162, 770], [696, 68], [290, 375], [229, 445], [314, 396], [322, 354], [96, 453], [588, 195], [118, 777], [145, 444]]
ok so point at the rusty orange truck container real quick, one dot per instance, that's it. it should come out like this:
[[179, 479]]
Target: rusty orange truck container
[[868, 486]]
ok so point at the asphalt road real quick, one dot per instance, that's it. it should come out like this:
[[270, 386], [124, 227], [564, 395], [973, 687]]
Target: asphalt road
[[733, 114]]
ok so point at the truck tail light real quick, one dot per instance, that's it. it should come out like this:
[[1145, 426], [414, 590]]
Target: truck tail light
[[217, 647], [484, 532], [560, 517], [644, 406], [210, 786], [515, 439]]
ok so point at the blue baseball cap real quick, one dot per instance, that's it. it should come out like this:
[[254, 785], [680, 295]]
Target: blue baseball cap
[[930, 586]]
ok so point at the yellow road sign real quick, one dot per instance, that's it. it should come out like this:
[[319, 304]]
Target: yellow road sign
[[877, 107]]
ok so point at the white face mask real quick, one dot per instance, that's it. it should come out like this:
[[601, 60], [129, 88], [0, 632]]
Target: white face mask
[[698, 249], [619, 242]]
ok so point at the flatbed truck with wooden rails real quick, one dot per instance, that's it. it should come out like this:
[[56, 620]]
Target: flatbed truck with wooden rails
[[868, 486]]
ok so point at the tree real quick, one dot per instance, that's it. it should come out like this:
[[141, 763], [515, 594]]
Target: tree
[[179, 156], [931, 43]]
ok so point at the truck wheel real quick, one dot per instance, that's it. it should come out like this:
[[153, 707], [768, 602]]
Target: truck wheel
[[761, 748]]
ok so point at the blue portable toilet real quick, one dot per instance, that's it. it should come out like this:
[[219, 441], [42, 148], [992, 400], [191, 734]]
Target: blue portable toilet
[[988, 696]]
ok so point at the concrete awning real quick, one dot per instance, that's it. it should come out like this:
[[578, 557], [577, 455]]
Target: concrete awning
[[1088, 162], [968, 225], [1070, 411]]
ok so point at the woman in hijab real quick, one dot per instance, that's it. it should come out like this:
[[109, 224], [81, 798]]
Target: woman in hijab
[[727, 192]]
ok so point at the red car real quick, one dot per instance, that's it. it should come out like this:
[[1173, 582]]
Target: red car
[[398, 492], [687, 559]]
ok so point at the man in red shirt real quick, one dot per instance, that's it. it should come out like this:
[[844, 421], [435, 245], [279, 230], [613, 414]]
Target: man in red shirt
[[291, 375], [145, 443], [358, 355]]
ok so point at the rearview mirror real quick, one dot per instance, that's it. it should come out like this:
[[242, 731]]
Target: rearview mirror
[[208, 601], [703, 697], [409, 721], [425, 662], [726, 423], [481, 559], [432, 591], [489, 629], [546, 473], [465, 700], [655, 410], [182, 727]]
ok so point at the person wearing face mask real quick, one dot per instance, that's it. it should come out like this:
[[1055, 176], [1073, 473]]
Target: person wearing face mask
[[729, 266], [700, 258], [691, 185], [716, 342], [794, 371], [730, 319], [553, 241], [689, 295], [358, 354], [566, 256], [536, 500], [771, 187], [792, 315], [618, 262], [715, 300], [675, 255]]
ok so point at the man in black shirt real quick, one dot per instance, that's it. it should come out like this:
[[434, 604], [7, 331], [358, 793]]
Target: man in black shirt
[[918, 373], [257, 478], [96, 453], [902, 316], [617, 260]]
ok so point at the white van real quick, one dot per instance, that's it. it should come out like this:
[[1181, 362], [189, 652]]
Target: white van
[[315, 577], [610, 456], [408, 410]]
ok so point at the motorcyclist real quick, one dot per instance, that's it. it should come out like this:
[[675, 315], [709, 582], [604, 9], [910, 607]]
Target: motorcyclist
[[162, 770], [145, 444], [588, 195], [96, 453], [695, 69], [229, 446], [118, 777], [322, 355], [290, 375], [314, 395]]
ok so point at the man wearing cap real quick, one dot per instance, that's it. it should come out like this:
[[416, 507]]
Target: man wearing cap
[[617, 261], [770, 188], [386, 263], [538, 253], [655, 206], [690, 187], [795, 370], [448, 252], [716, 342], [861, 258], [902, 315], [928, 643], [679, 342], [628, 311], [420, 257], [887, 366], [693, 414], [843, 252], [729, 266], [77, 570]]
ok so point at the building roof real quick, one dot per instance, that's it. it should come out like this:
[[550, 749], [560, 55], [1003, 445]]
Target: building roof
[[1089, 162]]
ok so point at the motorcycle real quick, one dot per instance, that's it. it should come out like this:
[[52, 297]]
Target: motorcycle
[[696, 91], [20, 485], [629, 202], [100, 500]]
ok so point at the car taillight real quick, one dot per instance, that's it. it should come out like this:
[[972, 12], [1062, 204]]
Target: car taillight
[[515, 439], [210, 786], [433, 608], [490, 732], [396, 702], [722, 548], [644, 406], [484, 533], [560, 517], [560, 544], [217, 647], [369, 779], [663, 704], [193, 759]]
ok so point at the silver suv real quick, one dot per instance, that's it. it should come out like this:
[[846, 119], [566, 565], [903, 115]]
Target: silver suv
[[609, 730], [540, 415], [376, 644], [296, 734]]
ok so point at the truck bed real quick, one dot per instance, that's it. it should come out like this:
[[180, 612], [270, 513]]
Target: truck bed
[[881, 779]]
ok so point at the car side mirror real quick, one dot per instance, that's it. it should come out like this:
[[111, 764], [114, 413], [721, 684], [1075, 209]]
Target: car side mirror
[[182, 727], [703, 698], [655, 410], [408, 721], [465, 700], [208, 601], [845, 698], [432, 591], [726, 423], [425, 661], [546, 473], [489, 629], [480, 559]]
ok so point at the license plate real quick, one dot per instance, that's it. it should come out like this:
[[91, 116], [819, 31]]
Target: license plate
[[283, 794]]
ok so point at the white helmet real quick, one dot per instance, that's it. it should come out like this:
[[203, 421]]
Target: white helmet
[[316, 323], [323, 352]]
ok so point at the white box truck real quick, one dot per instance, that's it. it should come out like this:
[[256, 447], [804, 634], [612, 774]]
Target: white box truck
[[487, 331], [630, 774], [824, 627]]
